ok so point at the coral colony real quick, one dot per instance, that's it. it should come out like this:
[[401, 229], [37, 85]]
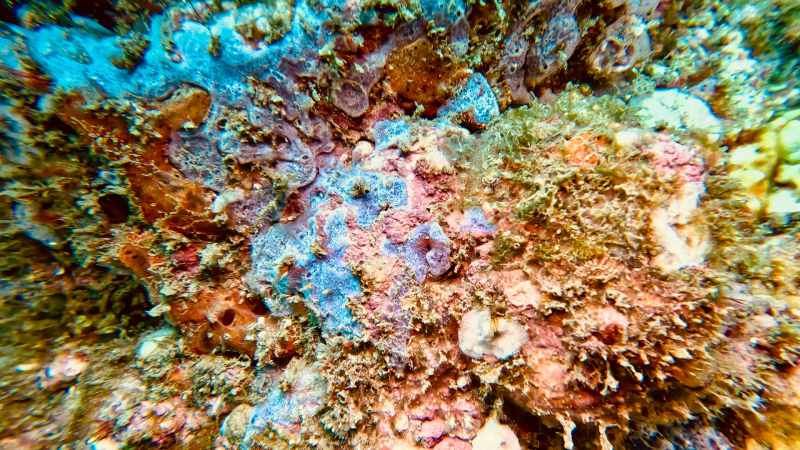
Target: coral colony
[[400, 224]]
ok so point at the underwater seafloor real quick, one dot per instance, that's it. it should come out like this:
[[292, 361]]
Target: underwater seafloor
[[400, 224]]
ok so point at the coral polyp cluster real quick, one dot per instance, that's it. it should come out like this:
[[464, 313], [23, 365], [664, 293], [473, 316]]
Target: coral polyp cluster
[[397, 225]]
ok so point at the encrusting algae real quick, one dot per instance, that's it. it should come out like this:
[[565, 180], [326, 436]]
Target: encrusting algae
[[390, 225]]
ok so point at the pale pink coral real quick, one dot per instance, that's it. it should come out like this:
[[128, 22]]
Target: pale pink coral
[[480, 335], [671, 158], [449, 443], [62, 371], [495, 436]]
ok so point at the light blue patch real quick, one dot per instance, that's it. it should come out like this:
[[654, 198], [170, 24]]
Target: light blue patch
[[336, 230], [8, 57], [81, 57], [77, 58], [333, 285], [477, 98], [277, 409], [285, 407], [281, 242], [422, 240], [384, 192], [443, 12], [475, 222], [327, 283], [390, 133], [24, 220]]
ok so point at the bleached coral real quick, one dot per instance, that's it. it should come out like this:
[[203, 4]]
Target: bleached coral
[[768, 169], [495, 436], [679, 111], [480, 335], [683, 245]]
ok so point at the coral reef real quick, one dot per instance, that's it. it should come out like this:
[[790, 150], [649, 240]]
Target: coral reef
[[767, 168], [387, 224]]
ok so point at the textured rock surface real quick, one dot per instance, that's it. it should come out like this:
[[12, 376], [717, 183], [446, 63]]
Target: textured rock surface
[[399, 224]]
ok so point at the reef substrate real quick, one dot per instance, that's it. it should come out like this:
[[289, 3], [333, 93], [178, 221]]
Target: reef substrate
[[400, 224]]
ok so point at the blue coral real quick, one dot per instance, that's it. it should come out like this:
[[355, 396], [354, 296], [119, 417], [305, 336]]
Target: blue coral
[[475, 222], [8, 56], [443, 13], [284, 407], [476, 99], [81, 59], [426, 251], [383, 192], [331, 284], [391, 133]]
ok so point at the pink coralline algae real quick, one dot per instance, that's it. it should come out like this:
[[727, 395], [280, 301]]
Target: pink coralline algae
[[136, 420], [398, 225], [673, 159]]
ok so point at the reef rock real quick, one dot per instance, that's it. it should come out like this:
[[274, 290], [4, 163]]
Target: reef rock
[[399, 224]]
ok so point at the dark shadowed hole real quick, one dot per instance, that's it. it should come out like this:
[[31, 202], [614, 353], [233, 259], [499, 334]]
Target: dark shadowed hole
[[258, 308], [425, 244], [100, 10], [227, 317], [115, 207], [201, 339], [7, 13]]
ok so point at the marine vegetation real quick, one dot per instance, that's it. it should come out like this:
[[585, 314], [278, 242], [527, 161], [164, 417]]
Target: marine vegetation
[[400, 224]]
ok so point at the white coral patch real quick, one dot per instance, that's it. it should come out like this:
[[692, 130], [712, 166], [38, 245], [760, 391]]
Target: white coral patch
[[683, 244], [679, 111], [479, 335], [495, 436]]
